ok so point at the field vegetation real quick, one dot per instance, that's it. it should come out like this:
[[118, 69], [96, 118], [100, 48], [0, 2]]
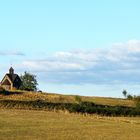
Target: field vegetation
[[42, 125], [58, 98], [41, 116], [73, 104]]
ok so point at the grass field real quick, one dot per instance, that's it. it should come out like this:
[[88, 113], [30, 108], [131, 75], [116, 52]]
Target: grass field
[[26, 96], [43, 125]]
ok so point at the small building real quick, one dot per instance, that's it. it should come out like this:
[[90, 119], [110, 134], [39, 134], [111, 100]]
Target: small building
[[11, 81]]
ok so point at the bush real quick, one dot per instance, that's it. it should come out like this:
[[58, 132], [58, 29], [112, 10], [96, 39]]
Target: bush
[[130, 97], [83, 107], [78, 99], [3, 91]]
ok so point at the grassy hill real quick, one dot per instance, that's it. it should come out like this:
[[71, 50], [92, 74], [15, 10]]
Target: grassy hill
[[70, 103], [20, 123], [59, 98]]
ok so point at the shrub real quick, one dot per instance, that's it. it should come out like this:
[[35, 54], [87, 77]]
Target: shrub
[[83, 107], [3, 91], [78, 99], [130, 97]]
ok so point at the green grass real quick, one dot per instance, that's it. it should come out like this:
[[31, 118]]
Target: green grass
[[43, 125]]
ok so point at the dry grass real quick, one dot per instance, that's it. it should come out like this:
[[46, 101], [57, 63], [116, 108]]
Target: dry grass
[[110, 101], [65, 98], [42, 125]]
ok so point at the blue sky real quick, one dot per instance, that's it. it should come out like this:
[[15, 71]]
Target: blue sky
[[84, 47]]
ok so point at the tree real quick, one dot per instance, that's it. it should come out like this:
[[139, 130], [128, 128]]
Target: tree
[[124, 93], [29, 82]]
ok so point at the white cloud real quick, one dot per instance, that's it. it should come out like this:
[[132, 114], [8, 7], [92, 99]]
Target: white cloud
[[48, 65], [118, 63]]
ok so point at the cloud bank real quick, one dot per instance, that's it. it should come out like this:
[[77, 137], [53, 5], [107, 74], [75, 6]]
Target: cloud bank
[[119, 63]]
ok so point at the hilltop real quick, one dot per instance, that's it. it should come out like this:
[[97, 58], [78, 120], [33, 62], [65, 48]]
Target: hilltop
[[70, 103], [59, 98]]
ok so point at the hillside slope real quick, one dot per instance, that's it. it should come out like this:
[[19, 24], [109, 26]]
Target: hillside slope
[[59, 98]]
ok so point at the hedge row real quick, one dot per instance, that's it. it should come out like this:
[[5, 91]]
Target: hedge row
[[83, 107]]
